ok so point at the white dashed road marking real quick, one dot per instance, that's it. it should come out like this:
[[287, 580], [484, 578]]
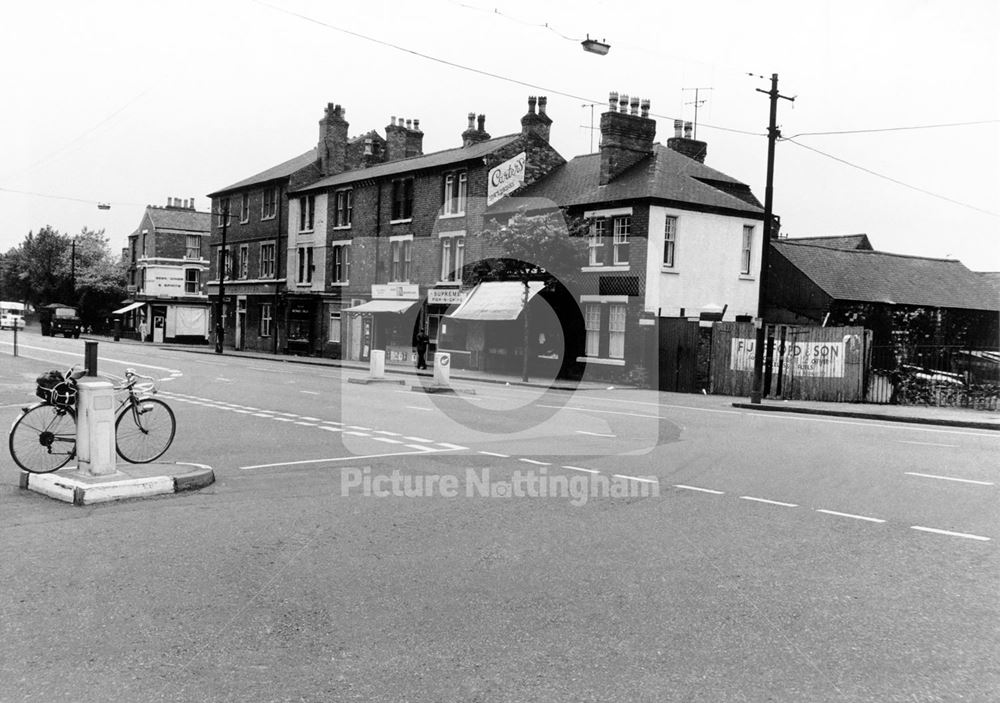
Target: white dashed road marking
[[580, 468], [536, 463], [596, 434], [769, 502], [950, 533], [700, 490], [502, 456], [949, 478], [856, 517]]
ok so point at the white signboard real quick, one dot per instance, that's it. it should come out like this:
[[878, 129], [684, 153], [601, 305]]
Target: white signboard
[[505, 178], [395, 291], [164, 281], [445, 296], [821, 359]]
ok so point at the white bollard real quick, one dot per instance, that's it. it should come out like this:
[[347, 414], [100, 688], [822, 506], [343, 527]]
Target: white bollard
[[95, 427], [377, 364], [442, 369]]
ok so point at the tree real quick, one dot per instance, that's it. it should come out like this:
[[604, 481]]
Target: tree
[[547, 246]]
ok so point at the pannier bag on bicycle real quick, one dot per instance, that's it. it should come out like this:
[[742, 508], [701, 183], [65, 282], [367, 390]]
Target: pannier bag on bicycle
[[52, 387]]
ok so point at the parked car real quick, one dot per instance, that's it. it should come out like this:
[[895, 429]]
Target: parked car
[[10, 321]]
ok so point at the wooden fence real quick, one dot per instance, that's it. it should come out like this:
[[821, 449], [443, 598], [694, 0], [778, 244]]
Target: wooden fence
[[807, 363]]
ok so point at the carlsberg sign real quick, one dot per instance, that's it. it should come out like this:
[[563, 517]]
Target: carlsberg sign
[[506, 178]]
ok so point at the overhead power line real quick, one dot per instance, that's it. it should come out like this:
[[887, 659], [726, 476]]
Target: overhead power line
[[472, 69], [892, 180], [895, 129]]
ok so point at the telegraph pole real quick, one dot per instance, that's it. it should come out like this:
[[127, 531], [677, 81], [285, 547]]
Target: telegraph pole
[[772, 136], [220, 320]]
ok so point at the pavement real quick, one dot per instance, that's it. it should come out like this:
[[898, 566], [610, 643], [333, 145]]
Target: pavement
[[913, 414]]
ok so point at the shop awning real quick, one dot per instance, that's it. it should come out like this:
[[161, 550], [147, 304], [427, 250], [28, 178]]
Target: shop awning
[[128, 308], [496, 300], [396, 306]]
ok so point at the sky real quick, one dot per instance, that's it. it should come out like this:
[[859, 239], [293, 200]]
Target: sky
[[130, 103]]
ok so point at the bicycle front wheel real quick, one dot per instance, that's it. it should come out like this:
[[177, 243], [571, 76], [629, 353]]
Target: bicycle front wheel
[[43, 439], [144, 430]]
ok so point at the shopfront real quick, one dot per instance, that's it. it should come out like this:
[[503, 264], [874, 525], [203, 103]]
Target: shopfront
[[389, 321], [301, 325]]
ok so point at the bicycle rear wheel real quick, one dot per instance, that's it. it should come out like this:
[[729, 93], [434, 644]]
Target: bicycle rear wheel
[[144, 430], [43, 439]]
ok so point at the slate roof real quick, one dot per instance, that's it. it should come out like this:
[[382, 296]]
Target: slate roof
[[184, 220], [664, 175], [282, 170], [838, 241], [438, 159], [879, 277]]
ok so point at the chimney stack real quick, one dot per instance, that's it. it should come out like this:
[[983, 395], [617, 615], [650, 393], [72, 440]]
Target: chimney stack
[[537, 123], [414, 139], [472, 135], [332, 147], [691, 148], [626, 138], [395, 140]]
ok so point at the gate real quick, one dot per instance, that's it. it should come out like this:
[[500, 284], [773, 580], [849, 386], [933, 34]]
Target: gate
[[678, 355]]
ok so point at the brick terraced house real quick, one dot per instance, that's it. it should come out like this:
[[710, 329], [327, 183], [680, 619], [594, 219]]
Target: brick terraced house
[[167, 257]]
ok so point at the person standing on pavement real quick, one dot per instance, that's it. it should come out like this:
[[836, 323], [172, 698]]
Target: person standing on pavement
[[422, 341]]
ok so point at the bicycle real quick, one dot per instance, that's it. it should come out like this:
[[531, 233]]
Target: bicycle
[[43, 437]]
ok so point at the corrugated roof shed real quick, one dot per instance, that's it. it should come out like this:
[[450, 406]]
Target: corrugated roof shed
[[664, 175], [879, 277]]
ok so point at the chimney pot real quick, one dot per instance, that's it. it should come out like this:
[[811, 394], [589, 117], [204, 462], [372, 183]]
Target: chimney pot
[[543, 102], [409, 124], [678, 128], [687, 130], [472, 120], [531, 104], [392, 121], [645, 107], [613, 101], [482, 123], [623, 103], [416, 125]]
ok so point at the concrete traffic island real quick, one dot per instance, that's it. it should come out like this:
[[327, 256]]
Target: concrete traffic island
[[97, 476], [80, 487]]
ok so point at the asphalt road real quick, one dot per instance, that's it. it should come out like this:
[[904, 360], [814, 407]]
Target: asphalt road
[[686, 550]]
